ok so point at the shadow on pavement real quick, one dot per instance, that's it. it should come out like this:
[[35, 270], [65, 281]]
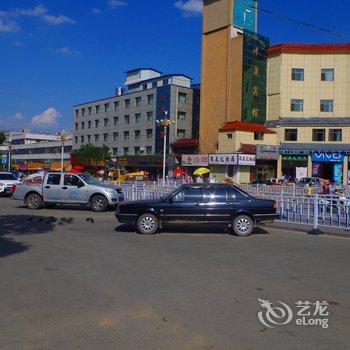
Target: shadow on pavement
[[20, 225], [8, 246]]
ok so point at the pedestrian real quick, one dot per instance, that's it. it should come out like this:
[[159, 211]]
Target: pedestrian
[[199, 179], [309, 189]]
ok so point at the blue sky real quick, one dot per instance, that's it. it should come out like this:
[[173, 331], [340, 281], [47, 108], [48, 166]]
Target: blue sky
[[57, 53]]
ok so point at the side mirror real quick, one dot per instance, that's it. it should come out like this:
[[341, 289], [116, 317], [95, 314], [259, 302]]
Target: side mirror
[[171, 201]]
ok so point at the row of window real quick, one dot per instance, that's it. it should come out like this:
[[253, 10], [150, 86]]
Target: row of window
[[182, 99], [318, 135], [327, 74], [137, 151], [137, 118], [297, 105]]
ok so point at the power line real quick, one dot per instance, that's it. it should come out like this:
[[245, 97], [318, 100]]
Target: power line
[[296, 21]]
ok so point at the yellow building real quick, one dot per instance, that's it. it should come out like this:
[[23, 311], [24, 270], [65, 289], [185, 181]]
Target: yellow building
[[308, 106]]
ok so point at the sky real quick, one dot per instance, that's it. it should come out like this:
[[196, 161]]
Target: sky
[[58, 53]]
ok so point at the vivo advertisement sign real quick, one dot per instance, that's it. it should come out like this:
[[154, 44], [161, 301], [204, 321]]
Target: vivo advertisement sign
[[327, 157]]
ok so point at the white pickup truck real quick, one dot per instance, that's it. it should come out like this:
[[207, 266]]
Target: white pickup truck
[[67, 188]]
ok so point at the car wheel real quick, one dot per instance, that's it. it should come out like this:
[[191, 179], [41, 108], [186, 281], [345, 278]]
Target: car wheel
[[147, 224], [98, 203], [243, 225], [34, 201]]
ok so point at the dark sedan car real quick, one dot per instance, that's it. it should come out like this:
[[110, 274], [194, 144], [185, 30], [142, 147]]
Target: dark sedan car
[[210, 204]]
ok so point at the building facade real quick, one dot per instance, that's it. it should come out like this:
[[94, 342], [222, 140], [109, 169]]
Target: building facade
[[32, 151], [309, 109], [128, 123]]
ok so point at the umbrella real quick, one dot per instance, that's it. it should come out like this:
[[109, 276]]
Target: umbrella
[[179, 171], [201, 171]]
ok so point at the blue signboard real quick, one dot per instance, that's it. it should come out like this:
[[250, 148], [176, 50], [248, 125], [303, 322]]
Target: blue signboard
[[4, 159], [338, 173], [245, 14], [327, 157]]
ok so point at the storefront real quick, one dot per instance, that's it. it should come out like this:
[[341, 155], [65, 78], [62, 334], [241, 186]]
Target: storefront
[[328, 165], [294, 166], [266, 162]]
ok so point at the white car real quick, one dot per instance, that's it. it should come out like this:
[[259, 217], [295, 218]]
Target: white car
[[7, 180]]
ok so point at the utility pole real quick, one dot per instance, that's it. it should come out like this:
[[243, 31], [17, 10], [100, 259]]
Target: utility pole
[[165, 123], [63, 138]]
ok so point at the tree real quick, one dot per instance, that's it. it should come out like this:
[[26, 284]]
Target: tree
[[2, 137], [91, 156]]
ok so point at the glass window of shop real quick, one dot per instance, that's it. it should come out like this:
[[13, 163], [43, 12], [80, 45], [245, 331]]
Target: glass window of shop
[[335, 135], [318, 135], [291, 135]]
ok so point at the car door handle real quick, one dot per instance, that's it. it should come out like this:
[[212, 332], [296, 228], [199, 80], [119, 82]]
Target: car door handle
[[64, 188], [47, 186]]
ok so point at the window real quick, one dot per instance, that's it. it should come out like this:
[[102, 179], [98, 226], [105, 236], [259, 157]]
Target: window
[[82, 138], [181, 133], [148, 149], [165, 81], [182, 97], [335, 135], [72, 180], [154, 84], [97, 108], [137, 134], [90, 110], [190, 195], [115, 120], [327, 74], [115, 151], [150, 116], [116, 105], [115, 136], [105, 137], [318, 135], [229, 136], [137, 118], [297, 105], [181, 116], [258, 136], [54, 179], [150, 99], [83, 112], [291, 134], [106, 107], [138, 101], [297, 74], [76, 113], [127, 103], [75, 139], [126, 119], [76, 126], [106, 121], [126, 135], [89, 138], [144, 86], [137, 151], [126, 151], [97, 123], [82, 125], [326, 106], [89, 124], [149, 133], [97, 137], [217, 195]]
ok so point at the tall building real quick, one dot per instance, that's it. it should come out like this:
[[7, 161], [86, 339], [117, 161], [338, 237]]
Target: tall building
[[234, 61], [127, 121], [309, 108]]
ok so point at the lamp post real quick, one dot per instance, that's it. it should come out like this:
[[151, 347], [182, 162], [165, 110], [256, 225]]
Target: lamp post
[[165, 123], [63, 138], [9, 157]]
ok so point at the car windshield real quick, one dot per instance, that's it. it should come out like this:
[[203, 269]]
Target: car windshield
[[168, 195], [89, 180], [7, 177]]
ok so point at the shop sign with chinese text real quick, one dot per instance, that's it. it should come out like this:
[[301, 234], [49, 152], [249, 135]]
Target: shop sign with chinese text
[[223, 159], [246, 159], [194, 160]]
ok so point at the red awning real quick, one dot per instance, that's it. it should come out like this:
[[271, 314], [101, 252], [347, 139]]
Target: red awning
[[185, 143], [245, 126]]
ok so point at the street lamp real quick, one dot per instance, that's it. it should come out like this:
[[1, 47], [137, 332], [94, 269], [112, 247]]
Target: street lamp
[[164, 123], [63, 138]]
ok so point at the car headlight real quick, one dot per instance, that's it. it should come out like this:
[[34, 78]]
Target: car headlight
[[110, 190], [2, 184]]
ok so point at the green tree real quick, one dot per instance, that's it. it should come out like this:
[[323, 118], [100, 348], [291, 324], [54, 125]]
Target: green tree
[[91, 156], [2, 137]]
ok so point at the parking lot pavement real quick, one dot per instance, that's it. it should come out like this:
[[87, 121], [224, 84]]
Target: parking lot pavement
[[72, 283]]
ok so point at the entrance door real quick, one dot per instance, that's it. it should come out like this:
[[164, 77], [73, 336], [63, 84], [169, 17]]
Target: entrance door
[[52, 191], [186, 205]]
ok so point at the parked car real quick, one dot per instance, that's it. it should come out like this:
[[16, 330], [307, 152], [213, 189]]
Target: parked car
[[66, 188], [7, 180], [209, 204], [315, 181]]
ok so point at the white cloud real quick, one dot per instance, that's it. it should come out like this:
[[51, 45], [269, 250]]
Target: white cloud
[[37, 11], [190, 7], [96, 11], [8, 26], [13, 122], [116, 3], [66, 51], [17, 44], [48, 118], [57, 20]]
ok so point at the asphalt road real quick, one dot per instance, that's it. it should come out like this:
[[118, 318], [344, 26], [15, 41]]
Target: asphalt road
[[67, 283]]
